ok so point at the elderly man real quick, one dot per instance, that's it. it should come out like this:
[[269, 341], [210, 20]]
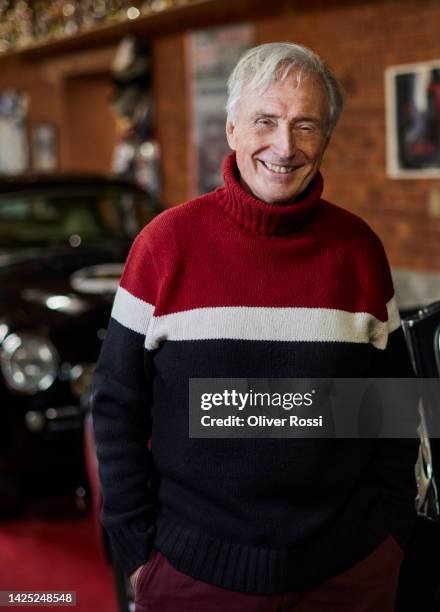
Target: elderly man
[[260, 278]]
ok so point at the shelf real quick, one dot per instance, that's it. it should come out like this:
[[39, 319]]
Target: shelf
[[200, 13]]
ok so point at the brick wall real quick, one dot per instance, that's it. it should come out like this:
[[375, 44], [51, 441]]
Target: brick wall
[[73, 93]]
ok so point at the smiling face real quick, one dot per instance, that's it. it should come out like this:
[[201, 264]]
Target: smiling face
[[280, 137]]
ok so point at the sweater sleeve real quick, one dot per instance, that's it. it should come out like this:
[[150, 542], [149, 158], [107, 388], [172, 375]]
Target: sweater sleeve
[[395, 459], [121, 403]]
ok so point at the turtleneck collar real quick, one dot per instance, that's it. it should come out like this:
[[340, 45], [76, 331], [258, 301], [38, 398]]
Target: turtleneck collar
[[261, 218]]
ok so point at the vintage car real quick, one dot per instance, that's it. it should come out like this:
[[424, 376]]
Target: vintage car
[[63, 241]]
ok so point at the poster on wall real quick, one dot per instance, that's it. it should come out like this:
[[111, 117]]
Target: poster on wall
[[212, 54], [413, 120], [14, 153]]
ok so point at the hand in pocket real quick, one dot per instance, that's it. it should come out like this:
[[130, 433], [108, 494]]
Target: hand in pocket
[[134, 577]]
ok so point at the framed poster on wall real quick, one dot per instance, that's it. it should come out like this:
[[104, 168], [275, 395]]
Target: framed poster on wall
[[14, 150], [211, 55], [413, 120]]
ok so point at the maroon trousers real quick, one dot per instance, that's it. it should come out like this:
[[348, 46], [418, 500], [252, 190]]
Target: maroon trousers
[[369, 586]]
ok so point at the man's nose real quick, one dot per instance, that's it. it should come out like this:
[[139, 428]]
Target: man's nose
[[285, 145]]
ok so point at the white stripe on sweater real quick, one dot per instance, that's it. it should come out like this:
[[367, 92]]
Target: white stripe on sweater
[[254, 323], [393, 315], [131, 311]]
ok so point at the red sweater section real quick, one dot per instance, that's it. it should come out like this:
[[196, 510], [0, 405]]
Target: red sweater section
[[309, 254]]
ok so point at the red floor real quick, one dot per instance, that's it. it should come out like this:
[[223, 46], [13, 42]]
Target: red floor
[[55, 554]]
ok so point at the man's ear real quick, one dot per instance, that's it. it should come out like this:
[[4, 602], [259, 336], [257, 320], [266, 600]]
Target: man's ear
[[230, 133]]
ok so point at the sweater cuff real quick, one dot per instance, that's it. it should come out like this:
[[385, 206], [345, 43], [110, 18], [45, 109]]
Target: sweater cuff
[[132, 544]]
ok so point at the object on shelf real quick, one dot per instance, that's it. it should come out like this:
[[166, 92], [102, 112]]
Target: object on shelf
[[136, 154], [27, 23], [44, 147]]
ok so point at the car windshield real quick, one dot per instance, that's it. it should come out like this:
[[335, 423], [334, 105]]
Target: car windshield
[[56, 217]]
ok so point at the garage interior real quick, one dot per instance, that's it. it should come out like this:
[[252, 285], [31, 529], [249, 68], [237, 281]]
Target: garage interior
[[48, 539]]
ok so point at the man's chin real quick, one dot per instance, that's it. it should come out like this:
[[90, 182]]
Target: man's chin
[[282, 191], [276, 193], [283, 196]]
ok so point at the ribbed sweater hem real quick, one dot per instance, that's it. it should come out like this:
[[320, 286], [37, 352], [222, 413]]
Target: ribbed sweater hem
[[249, 569]]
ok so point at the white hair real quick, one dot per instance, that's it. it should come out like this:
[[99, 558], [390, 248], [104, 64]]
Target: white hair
[[260, 66]]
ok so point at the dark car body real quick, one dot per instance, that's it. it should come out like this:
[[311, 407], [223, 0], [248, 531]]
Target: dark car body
[[63, 241], [422, 332]]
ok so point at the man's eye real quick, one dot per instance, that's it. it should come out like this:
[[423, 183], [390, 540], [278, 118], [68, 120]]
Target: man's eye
[[306, 128], [266, 122]]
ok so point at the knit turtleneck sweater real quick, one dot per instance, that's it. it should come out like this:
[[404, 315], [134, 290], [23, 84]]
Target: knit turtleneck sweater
[[227, 286], [261, 218]]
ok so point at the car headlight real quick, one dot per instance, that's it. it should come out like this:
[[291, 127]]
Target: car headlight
[[29, 363]]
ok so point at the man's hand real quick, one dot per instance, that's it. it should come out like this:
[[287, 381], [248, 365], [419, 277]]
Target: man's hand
[[135, 575]]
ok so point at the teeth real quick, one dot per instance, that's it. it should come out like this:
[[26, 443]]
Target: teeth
[[278, 169]]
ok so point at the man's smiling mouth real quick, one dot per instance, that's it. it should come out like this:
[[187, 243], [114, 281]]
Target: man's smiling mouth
[[277, 168]]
